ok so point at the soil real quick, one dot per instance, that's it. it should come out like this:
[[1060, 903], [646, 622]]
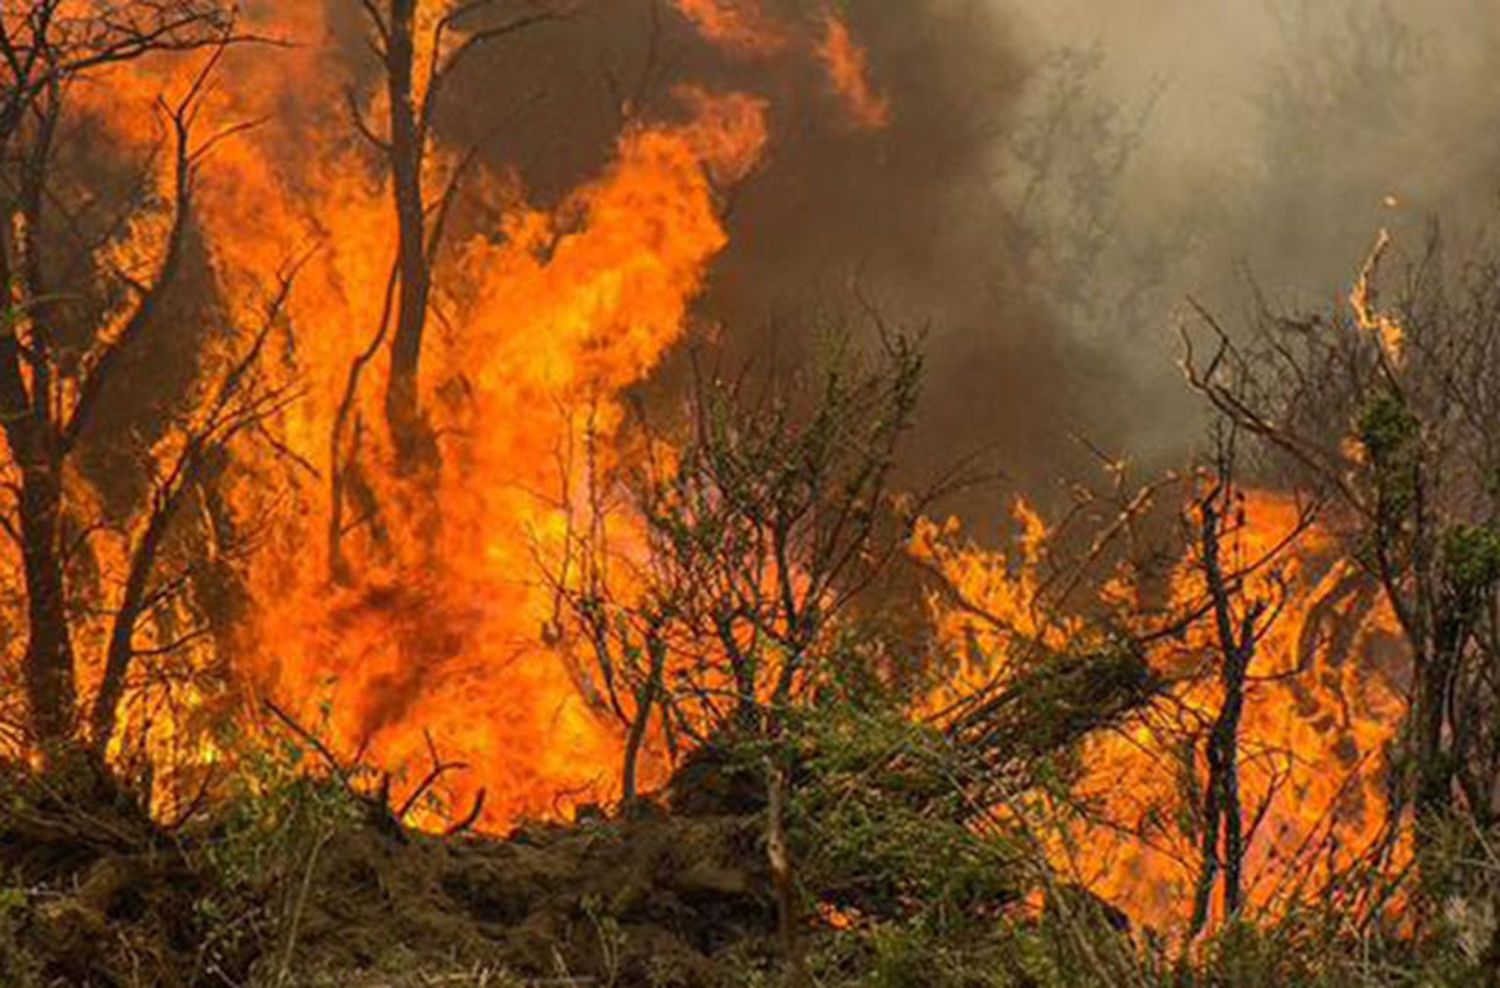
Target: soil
[[652, 900]]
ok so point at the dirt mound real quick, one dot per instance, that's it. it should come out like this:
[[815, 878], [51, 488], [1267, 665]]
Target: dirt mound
[[650, 900], [641, 901]]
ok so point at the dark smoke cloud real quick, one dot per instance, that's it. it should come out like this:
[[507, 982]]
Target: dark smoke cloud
[[907, 221], [1042, 215]]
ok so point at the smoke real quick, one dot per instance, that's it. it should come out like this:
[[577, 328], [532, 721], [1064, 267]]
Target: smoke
[[852, 220], [1277, 139], [1052, 182]]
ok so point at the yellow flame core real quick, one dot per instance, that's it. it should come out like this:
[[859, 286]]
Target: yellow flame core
[[544, 321], [556, 316]]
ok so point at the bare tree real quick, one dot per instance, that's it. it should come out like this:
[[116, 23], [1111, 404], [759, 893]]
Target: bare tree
[[1388, 412], [234, 401], [414, 84], [765, 521], [1239, 618], [1066, 661], [769, 516], [47, 44], [1071, 149], [60, 353]]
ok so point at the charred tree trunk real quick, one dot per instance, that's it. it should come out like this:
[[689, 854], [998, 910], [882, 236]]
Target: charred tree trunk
[[647, 697], [779, 858], [405, 152], [37, 444], [1434, 786], [48, 665], [1223, 841], [37, 451], [121, 649], [1223, 844], [412, 90], [49, 393]]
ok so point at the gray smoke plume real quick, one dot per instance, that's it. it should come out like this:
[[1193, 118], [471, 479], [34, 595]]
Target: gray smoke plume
[[908, 222], [1281, 136]]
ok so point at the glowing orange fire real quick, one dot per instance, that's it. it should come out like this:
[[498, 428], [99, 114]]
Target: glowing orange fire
[[744, 27], [739, 25], [445, 632], [448, 633], [1322, 711], [849, 73], [445, 635]]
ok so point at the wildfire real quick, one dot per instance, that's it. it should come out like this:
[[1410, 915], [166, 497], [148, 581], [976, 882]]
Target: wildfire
[[440, 633], [448, 635], [1362, 300], [744, 27], [443, 634], [1321, 713]]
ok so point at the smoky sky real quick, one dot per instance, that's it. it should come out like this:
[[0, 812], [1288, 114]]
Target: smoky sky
[[1278, 138], [1056, 179]]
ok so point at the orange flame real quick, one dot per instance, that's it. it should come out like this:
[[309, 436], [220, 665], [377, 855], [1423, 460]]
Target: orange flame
[[550, 321], [848, 71], [445, 637], [1388, 331], [737, 25], [743, 28], [1322, 711]]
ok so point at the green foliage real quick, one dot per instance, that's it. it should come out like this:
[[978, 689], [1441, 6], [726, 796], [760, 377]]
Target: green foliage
[[1387, 426], [1471, 560], [935, 893], [16, 966], [883, 825], [276, 810], [276, 816], [1391, 434]]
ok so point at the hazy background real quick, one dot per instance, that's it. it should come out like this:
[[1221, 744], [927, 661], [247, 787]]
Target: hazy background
[[1267, 138]]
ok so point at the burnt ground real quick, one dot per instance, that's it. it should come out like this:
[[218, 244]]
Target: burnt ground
[[655, 900]]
